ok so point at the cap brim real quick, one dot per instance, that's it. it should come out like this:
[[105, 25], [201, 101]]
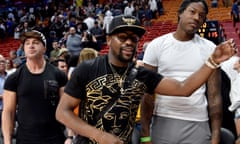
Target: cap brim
[[136, 29], [62, 52], [33, 34]]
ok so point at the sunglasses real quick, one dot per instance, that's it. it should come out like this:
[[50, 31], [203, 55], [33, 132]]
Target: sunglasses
[[122, 37]]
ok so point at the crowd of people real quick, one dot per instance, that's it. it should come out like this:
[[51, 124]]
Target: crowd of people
[[59, 90], [64, 23], [54, 17]]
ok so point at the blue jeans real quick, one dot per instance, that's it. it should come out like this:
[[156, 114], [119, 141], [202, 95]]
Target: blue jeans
[[136, 134]]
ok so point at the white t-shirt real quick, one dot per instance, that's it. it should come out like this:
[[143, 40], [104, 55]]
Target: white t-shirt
[[234, 76], [128, 10], [178, 60], [90, 22], [107, 20]]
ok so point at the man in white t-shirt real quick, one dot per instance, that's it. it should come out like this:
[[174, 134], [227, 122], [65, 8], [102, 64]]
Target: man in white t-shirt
[[177, 55], [107, 20], [128, 9]]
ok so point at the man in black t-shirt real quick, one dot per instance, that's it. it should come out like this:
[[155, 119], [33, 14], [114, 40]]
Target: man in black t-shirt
[[33, 91], [111, 86]]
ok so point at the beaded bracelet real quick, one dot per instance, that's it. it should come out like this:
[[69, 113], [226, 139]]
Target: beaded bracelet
[[145, 139], [210, 64]]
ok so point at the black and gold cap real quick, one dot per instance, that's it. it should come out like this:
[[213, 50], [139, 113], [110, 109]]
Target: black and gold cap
[[122, 23]]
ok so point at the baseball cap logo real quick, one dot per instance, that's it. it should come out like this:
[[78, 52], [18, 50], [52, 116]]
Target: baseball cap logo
[[129, 21], [124, 23]]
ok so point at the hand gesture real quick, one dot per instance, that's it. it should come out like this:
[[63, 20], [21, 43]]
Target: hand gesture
[[224, 51], [107, 138]]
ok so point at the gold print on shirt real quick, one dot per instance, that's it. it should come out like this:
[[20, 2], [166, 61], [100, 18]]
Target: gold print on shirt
[[118, 119]]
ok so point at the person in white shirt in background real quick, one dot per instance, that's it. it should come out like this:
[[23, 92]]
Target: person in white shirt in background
[[232, 70], [128, 9], [89, 21], [153, 5], [107, 20]]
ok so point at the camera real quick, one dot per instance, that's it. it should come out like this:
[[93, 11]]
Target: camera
[[89, 36]]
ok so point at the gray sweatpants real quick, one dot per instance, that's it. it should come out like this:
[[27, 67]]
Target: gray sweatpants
[[173, 131]]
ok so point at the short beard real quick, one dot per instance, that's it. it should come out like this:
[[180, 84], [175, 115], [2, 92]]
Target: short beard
[[124, 60]]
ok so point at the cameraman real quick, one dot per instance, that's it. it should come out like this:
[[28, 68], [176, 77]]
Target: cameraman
[[89, 40]]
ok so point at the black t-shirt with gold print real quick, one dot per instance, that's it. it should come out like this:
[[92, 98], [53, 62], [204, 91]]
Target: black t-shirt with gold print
[[96, 82]]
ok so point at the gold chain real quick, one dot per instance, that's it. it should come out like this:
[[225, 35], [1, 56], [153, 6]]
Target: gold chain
[[117, 76]]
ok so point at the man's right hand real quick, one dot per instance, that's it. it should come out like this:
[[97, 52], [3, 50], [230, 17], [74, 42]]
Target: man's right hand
[[224, 51], [107, 138]]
